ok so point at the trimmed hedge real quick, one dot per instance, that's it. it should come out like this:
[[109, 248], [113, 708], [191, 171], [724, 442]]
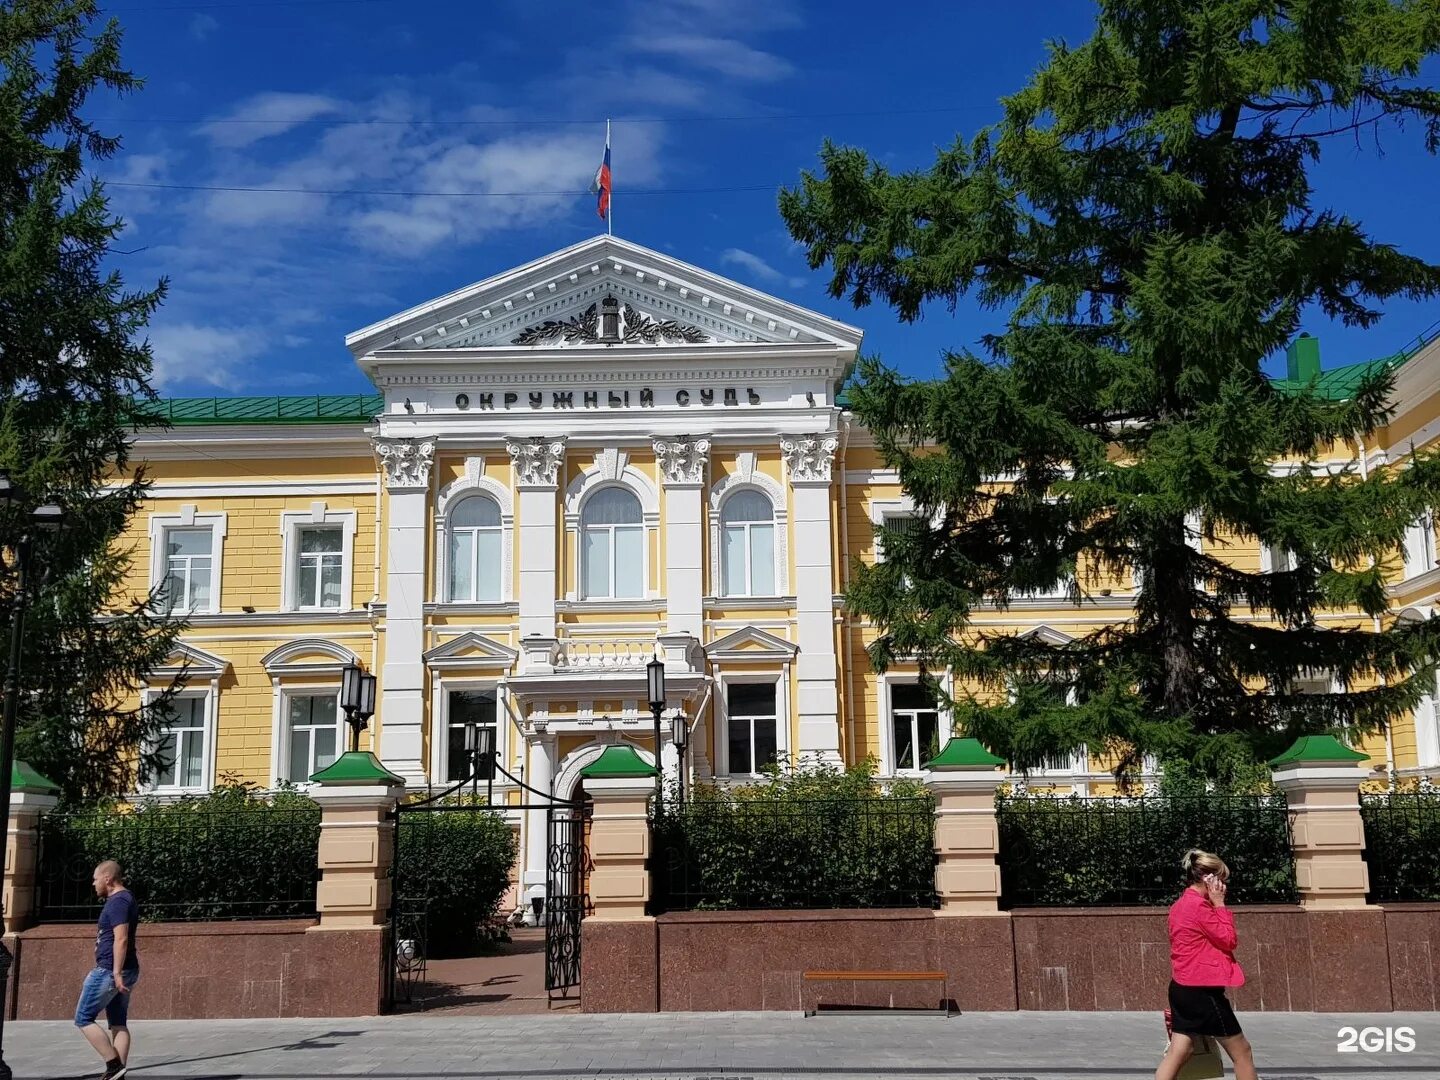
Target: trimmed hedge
[[1402, 837], [231, 854], [453, 864], [815, 839]]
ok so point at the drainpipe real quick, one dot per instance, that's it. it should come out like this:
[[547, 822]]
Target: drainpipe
[[847, 623], [1389, 734]]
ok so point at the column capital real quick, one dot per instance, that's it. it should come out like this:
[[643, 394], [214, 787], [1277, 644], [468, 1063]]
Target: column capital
[[682, 459], [808, 458], [537, 460], [406, 462]]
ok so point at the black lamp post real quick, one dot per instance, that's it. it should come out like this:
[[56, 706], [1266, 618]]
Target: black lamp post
[[357, 698], [680, 736], [43, 520], [480, 746], [655, 682]]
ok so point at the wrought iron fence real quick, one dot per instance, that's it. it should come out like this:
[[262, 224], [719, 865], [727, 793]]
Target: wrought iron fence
[[789, 853], [1078, 851], [1402, 836], [184, 864]]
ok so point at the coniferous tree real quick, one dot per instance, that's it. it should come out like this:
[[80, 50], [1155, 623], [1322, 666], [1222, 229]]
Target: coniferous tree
[[1143, 212], [72, 369]]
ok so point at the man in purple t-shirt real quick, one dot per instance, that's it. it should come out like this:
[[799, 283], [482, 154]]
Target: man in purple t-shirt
[[117, 967]]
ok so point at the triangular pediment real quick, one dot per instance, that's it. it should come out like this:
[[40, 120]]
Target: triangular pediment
[[750, 643], [471, 650], [559, 301], [1048, 634], [193, 662]]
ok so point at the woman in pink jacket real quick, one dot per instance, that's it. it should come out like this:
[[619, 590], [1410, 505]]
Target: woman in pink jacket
[[1202, 965]]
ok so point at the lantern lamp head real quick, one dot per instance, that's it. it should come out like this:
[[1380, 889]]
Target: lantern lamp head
[[655, 681]]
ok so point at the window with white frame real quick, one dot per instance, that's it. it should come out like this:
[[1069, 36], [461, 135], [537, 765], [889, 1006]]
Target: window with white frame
[[182, 744], [612, 546], [1278, 559], [463, 708], [1419, 549], [914, 726], [188, 568], [475, 550], [320, 573], [312, 732], [747, 536], [751, 722]]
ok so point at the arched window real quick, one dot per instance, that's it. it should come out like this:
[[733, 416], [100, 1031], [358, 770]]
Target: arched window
[[747, 537], [612, 545], [475, 556]]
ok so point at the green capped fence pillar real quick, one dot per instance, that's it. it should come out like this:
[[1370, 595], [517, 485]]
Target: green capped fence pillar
[[357, 797], [1321, 777], [620, 784], [31, 798], [964, 778]]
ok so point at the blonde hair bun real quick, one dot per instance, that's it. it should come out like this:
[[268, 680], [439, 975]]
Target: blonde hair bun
[[1197, 864]]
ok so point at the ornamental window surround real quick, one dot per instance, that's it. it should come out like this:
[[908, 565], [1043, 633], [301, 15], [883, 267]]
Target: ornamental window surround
[[186, 551], [308, 731], [747, 535], [318, 559], [751, 739], [612, 515], [475, 534], [185, 743]]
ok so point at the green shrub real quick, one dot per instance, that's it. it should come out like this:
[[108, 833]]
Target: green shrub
[[453, 863], [1402, 835], [814, 838], [1073, 851], [231, 854]]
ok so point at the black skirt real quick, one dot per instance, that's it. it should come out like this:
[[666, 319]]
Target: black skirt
[[1202, 1010]]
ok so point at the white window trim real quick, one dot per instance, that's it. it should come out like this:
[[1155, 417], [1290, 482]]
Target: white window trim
[[1267, 557], [280, 741], [1422, 533], [209, 692], [289, 677], [1427, 728], [440, 688], [1078, 769], [943, 725], [291, 522], [189, 518], [474, 481], [781, 680], [747, 478], [612, 469]]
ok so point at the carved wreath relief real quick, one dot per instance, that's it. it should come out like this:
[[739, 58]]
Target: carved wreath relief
[[634, 328]]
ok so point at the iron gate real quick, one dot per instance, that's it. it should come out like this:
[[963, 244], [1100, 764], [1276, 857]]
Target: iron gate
[[567, 874]]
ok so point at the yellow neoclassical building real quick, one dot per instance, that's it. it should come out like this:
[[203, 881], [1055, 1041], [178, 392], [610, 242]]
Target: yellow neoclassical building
[[565, 469]]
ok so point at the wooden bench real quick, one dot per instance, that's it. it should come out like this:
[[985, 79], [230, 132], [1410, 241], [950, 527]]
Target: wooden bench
[[883, 976]]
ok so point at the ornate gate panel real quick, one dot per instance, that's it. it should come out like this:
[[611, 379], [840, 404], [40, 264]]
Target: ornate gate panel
[[567, 877]]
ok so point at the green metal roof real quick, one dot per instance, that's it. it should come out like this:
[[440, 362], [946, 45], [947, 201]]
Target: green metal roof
[[323, 409]]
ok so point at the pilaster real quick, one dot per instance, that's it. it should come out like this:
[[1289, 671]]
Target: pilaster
[[406, 463], [539, 775], [537, 465], [683, 461], [1321, 777], [808, 462], [964, 779]]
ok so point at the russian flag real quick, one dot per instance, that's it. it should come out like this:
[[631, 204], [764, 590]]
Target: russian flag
[[601, 187]]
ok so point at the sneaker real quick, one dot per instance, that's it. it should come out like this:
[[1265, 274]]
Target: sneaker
[[113, 1071]]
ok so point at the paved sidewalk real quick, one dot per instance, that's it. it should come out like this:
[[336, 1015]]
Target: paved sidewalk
[[691, 1046]]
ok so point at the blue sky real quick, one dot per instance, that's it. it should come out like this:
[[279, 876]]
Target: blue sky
[[395, 96]]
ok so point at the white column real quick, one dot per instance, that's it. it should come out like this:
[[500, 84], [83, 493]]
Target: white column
[[402, 681], [682, 466], [537, 464], [1427, 732], [808, 460], [539, 774]]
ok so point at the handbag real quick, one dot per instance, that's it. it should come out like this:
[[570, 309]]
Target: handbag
[[1204, 1063]]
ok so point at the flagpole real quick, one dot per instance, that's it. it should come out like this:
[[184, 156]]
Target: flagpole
[[610, 210]]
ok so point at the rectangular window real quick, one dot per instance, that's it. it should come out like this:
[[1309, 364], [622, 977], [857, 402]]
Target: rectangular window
[[1419, 550], [182, 744], [314, 734], [188, 558], [915, 726], [468, 707], [1282, 559], [751, 725], [322, 565]]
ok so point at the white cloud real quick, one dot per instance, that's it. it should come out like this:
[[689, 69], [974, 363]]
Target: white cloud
[[725, 56], [192, 354], [758, 267], [266, 115], [202, 26]]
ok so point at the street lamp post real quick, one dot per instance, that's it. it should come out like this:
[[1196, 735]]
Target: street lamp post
[[43, 520], [480, 746], [357, 699], [655, 682], [680, 736]]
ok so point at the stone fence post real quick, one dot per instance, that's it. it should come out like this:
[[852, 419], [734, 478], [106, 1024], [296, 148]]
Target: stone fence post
[[964, 779], [1321, 777], [619, 956], [357, 797], [31, 798]]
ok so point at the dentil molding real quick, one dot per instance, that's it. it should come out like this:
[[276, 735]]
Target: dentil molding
[[407, 462], [537, 461], [682, 459], [808, 458]]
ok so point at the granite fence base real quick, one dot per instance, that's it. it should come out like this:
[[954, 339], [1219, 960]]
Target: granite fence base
[[209, 971], [1375, 959]]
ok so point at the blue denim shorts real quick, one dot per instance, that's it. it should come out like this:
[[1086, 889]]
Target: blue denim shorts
[[99, 995]]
